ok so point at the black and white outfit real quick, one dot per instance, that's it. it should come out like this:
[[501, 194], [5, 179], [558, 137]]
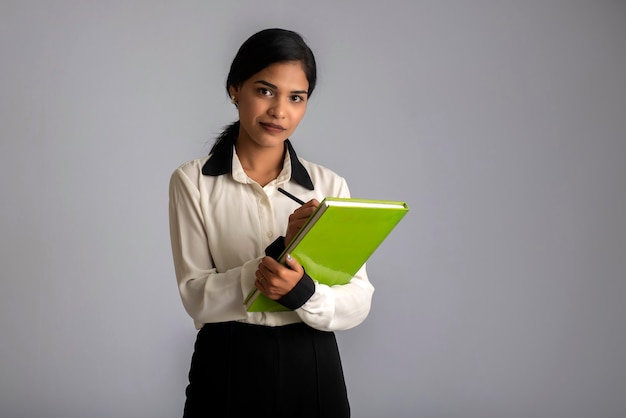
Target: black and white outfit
[[283, 364]]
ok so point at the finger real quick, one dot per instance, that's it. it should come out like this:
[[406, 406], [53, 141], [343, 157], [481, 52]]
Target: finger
[[259, 283], [294, 226], [308, 208], [268, 266], [300, 216]]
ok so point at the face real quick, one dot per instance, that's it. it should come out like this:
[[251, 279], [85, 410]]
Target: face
[[271, 104]]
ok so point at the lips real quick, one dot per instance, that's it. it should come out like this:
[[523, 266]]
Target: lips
[[272, 127]]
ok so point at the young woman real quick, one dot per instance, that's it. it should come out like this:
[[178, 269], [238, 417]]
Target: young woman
[[228, 223]]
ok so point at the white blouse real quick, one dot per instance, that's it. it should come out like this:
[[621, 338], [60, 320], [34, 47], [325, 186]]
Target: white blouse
[[220, 226]]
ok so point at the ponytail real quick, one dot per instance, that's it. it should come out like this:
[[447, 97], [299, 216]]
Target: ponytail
[[227, 137]]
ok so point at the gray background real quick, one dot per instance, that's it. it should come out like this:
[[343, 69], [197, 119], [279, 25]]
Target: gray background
[[501, 123]]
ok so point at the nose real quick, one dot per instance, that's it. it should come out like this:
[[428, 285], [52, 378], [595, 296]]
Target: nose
[[277, 110]]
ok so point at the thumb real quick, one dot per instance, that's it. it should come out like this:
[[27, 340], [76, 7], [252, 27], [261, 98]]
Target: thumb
[[292, 263]]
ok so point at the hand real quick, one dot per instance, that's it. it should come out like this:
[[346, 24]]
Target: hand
[[275, 280], [298, 218]]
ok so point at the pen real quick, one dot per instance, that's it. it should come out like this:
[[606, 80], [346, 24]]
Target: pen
[[290, 196]]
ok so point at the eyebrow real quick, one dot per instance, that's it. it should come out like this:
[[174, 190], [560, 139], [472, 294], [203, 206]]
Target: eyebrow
[[270, 85]]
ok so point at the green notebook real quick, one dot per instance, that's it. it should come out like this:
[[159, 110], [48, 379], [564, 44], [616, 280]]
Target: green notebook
[[336, 241]]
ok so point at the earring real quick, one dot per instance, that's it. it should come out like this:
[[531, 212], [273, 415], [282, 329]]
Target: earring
[[233, 100]]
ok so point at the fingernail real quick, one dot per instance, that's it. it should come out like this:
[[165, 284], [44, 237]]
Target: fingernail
[[289, 257]]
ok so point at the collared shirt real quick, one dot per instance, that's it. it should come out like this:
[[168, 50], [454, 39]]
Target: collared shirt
[[221, 221]]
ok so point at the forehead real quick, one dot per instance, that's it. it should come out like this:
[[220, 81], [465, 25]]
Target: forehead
[[288, 76]]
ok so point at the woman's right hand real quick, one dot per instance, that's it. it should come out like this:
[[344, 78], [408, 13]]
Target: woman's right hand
[[298, 218]]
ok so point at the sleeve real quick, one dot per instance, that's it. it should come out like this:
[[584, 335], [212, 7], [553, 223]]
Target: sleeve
[[207, 296], [334, 308]]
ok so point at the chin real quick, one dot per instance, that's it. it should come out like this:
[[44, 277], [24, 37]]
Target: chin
[[271, 140]]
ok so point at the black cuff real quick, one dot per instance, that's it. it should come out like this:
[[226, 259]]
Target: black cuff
[[301, 292], [276, 248]]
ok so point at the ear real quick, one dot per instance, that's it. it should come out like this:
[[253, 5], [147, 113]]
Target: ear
[[233, 90]]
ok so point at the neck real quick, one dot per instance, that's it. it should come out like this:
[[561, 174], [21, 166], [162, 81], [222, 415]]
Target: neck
[[261, 164]]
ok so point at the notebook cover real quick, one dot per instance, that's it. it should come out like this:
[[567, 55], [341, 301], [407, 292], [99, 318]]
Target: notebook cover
[[336, 241]]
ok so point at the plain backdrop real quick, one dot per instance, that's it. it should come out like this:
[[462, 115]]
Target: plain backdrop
[[501, 123]]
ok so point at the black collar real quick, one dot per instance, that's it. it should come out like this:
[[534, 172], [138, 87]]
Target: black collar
[[221, 162]]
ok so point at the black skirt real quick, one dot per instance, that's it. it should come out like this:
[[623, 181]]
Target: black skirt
[[241, 369]]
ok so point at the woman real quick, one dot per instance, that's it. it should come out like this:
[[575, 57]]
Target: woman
[[227, 221]]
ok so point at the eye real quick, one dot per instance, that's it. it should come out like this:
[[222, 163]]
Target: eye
[[264, 91], [297, 99]]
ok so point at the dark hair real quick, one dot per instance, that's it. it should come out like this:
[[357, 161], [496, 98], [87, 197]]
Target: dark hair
[[264, 48]]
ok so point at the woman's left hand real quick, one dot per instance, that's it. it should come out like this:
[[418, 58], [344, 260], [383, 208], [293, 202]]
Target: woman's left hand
[[275, 280]]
